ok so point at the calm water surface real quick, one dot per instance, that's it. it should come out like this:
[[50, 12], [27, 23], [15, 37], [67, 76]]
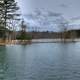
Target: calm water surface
[[43, 61]]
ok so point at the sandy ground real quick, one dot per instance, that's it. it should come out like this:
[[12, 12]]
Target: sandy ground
[[8, 42]]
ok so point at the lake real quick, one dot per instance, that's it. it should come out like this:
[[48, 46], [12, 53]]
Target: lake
[[40, 61]]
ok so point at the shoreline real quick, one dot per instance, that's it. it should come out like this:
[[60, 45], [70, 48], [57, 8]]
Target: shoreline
[[52, 40], [25, 42], [21, 42]]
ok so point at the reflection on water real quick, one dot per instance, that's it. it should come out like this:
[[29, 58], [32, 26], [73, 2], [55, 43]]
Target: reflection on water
[[3, 63], [43, 61]]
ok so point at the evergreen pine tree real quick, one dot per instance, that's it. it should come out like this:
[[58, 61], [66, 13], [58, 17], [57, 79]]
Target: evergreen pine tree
[[8, 12]]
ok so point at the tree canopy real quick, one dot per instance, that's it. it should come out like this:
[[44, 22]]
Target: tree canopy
[[8, 12]]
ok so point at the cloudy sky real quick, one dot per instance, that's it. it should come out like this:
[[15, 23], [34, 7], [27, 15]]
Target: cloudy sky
[[70, 9]]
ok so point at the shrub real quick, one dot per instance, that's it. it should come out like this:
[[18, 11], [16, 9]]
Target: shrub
[[24, 37]]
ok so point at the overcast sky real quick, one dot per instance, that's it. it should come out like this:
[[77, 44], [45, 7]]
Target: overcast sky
[[69, 8]]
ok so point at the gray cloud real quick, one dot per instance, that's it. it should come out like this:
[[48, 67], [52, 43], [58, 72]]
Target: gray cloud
[[63, 5], [69, 8]]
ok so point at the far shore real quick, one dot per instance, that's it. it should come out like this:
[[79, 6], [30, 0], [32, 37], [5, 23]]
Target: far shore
[[54, 40], [14, 42]]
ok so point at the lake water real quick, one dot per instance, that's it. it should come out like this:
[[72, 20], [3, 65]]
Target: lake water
[[41, 61]]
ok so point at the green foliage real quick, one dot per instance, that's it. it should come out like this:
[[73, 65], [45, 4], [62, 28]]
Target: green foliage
[[24, 37], [8, 10], [22, 34], [8, 13]]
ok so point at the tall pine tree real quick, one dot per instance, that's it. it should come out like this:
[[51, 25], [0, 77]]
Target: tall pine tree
[[8, 12], [2, 29]]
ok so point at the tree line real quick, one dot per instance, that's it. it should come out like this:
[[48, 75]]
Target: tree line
[[8, 15]]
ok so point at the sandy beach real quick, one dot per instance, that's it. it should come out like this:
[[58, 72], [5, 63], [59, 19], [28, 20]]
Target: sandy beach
[[14, 42]]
